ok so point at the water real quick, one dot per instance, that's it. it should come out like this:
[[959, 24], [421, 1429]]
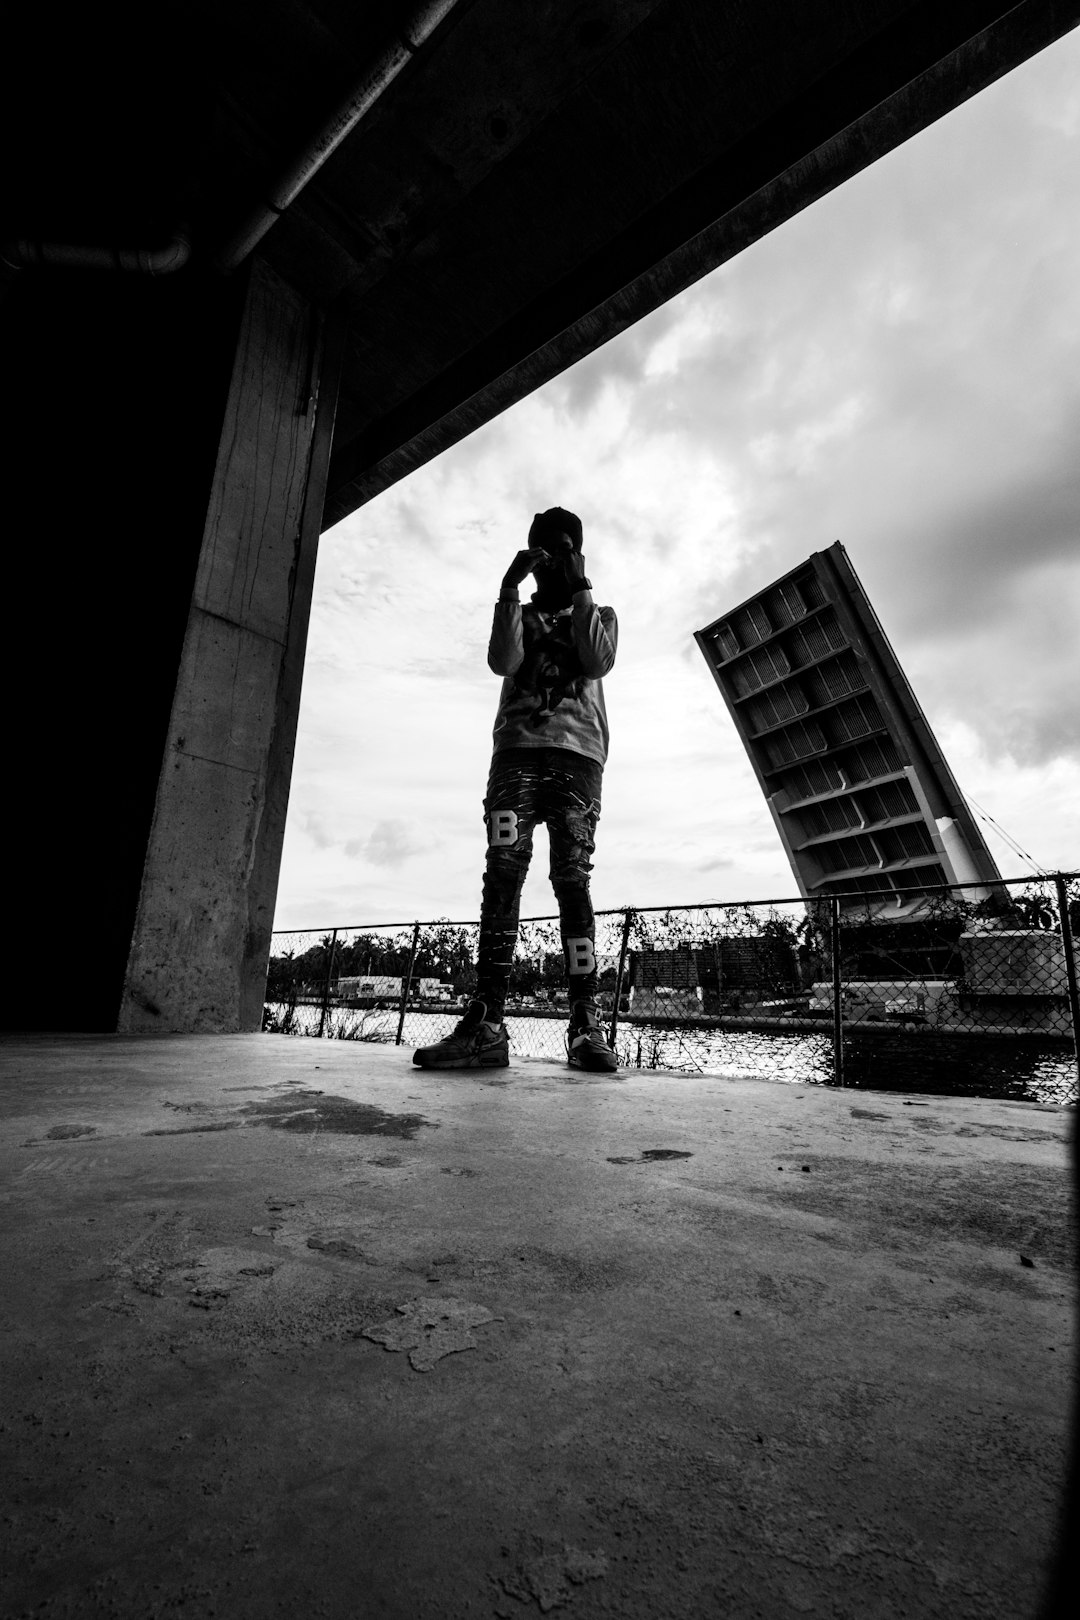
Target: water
[[924, 1062]]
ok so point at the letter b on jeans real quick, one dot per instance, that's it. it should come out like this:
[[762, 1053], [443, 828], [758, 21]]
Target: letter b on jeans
[[502, 828], [580, 956]]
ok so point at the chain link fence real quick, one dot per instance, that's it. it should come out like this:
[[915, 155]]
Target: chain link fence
[[966, 990]]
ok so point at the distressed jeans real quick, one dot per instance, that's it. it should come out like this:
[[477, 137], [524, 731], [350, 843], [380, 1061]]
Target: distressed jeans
[[526, 786]]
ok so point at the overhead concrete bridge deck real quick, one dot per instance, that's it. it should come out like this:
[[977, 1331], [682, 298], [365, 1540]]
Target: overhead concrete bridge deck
[[294, 1328]]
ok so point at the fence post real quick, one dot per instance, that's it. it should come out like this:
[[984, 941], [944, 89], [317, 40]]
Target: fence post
[[837, 995], [408, 982], [326, 982], [620, 975], [1068, 951]]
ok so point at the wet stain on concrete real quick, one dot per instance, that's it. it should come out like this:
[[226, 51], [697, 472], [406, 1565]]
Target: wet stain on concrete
[[304, 1112], [652, 1156], [342, 1248], [339, 1115], [194, 1130], [61, 1133]]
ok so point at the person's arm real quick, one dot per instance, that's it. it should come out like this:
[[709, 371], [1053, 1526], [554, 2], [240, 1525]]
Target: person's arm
[[596, 631], [506, 648], [596, 635]]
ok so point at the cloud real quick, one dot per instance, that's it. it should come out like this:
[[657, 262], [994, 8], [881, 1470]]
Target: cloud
[[978, 561], [1011, 675], [315, 828], [623, 360], [391, 843]]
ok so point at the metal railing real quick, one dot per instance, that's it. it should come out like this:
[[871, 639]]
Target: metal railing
[[966, 988]]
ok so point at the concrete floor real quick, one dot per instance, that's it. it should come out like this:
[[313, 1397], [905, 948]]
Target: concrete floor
[[293, 1328]]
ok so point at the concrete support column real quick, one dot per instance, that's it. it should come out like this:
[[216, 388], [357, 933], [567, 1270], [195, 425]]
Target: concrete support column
[[202, 929]]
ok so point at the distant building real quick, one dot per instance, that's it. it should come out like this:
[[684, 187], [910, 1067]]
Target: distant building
[[860, 792], [725, 974], [388, 986], [364, 987]]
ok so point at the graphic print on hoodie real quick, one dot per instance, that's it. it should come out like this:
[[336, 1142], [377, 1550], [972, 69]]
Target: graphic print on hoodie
[[551, 669]]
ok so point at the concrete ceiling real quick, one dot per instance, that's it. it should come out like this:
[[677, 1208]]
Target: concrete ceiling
[[540, 175]]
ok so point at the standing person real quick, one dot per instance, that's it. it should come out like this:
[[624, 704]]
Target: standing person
[[551, 745]]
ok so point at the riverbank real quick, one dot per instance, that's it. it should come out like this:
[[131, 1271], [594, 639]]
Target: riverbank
[[294, 1327]]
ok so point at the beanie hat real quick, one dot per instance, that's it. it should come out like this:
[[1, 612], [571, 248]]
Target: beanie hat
[[556, 520]]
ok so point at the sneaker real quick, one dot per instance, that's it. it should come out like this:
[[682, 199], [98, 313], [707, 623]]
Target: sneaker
[[476, 1043], [586, 1045]]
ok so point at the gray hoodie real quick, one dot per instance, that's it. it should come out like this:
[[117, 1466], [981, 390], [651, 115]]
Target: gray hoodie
[[552, 663]]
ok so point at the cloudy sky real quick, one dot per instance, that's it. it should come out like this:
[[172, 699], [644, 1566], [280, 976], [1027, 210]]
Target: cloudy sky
[[897, 368]]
